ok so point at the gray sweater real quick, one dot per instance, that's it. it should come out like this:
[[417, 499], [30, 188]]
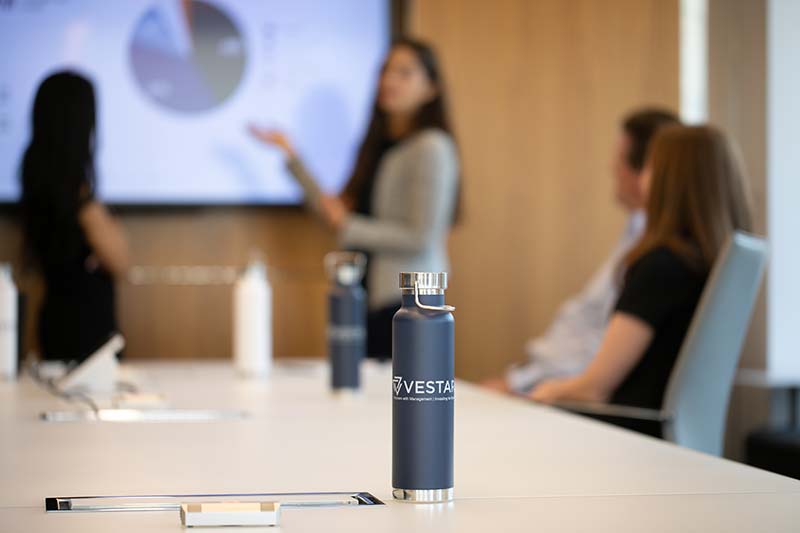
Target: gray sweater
[[412, 201]]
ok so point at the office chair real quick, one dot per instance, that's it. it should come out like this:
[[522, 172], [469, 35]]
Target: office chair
[[696, 398]]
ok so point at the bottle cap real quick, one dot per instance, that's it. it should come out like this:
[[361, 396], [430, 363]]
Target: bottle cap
[[345, 268], [425, 283], [348, 274], [423, 280], [256, 265], [256, 269]]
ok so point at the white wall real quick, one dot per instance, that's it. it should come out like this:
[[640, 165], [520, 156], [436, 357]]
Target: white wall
[[783, 171], [694, 61]]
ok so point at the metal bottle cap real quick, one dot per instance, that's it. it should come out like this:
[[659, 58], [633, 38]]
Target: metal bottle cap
[[424, 281]]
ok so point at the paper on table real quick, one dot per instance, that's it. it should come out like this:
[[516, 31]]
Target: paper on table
[[143, 415], [216, 514]]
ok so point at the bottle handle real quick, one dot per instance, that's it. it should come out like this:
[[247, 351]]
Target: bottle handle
[[447, 308]]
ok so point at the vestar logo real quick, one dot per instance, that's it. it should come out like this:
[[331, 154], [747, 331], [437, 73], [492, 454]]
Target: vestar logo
[[422, 386]]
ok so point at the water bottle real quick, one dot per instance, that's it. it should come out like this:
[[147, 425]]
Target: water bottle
[[252, 321], [423, 390], [347, 318], [8, 324]]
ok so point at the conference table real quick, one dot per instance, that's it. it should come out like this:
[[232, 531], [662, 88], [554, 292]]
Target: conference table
[[518, 466]]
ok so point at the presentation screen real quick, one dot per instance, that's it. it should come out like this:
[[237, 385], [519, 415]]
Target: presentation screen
[[178, 82]]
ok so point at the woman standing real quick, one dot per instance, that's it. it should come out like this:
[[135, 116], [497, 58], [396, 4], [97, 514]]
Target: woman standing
[[71, 236], [403, 194]]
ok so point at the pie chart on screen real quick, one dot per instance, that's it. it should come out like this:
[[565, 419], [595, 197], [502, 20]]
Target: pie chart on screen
[[187, 55]]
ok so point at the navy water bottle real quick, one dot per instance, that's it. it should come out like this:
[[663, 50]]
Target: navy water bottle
[[423, 390], [346, 319]]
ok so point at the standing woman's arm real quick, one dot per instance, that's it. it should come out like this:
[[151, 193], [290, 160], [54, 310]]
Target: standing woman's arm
[[432, 189], [294, 163], [311, 190], [106, 238]]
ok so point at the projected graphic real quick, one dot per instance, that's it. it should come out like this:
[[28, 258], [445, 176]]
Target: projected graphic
[[178, 83], [188, 56]]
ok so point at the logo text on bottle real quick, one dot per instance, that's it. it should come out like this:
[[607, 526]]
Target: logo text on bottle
[[423, 390]]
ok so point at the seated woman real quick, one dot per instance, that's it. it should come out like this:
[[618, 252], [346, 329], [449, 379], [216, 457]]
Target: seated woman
[[696, 198], [68, 234]]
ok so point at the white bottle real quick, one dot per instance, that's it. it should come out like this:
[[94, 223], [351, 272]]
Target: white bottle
[[8, 324], [252, 322]]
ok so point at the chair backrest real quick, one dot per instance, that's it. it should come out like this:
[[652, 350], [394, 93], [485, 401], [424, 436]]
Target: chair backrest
[[699, 388]]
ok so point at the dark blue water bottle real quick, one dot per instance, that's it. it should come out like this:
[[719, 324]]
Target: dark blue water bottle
[[423, 390], [346, 319]]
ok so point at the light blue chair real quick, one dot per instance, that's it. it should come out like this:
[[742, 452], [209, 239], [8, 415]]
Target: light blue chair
[[696, 399]]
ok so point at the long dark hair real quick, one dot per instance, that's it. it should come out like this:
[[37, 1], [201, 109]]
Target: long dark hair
[[57, 170], [432, 114]]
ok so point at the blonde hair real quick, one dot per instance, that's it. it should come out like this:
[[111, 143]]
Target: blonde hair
[[698, 195]]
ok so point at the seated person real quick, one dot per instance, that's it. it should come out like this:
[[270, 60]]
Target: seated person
[[696, 198], [78, 246], [572, 339]]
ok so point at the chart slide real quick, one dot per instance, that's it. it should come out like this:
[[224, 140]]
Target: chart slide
[[179, 81]]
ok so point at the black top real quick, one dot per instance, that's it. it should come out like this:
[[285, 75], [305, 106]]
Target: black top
[[379, 321], [363, 204], [78, 313], [663, 290]]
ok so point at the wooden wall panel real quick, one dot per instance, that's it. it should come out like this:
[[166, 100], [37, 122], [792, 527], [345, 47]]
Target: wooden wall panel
[[195, 321], [737, 98], [737, 86], [168, 321], [538, 88]]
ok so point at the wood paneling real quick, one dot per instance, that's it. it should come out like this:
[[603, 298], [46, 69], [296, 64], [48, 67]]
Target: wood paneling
[[738, 104], [537, 89], [169, 321], [195, 321], [737, 57]]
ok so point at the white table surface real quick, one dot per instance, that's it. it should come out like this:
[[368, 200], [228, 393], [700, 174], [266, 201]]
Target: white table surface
[[516, 462], [768, 513]]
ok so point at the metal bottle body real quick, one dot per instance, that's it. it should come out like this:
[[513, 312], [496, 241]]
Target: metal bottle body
[[347, 317], [423, 398]]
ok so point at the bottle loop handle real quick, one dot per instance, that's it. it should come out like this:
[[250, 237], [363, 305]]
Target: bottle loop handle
[[446, 308]]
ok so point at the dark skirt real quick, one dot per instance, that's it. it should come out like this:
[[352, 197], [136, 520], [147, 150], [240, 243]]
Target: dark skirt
[[77, 316], [379, 332]]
